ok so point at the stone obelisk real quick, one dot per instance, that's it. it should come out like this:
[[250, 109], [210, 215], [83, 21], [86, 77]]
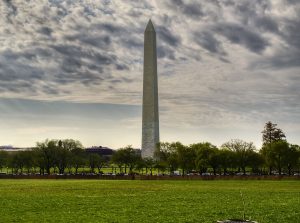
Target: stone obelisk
[[150, 129]]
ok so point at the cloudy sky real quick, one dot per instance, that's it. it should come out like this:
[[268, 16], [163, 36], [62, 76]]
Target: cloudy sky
[[73, 69]]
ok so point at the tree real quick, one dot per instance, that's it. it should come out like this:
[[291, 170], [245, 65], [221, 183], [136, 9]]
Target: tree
[[46, 154], [17, 162], [256, 161], [3, 160], [271, 133], [126, 156], [28, 159], [185, 157], [96, 161], [78, 158], [149, 163], [206, 155], [64, 153], [226, 159], [167, 156], [242, 150], [279, 155], [54, 153], [298, 161], [70, 144], [117, 158], [291, 158], [62, 158]]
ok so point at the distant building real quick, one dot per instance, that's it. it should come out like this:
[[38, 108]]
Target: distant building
[[13, 149], [102, 151]]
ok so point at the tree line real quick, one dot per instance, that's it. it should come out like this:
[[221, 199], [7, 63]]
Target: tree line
[[276, 156]]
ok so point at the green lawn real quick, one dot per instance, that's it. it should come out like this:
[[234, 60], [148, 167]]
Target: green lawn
[[147, 201]]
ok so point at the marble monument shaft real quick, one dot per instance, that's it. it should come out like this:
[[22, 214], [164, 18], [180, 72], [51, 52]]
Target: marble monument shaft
[[150, 128]]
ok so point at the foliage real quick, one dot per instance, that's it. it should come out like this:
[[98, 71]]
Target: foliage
[[205, 156], [272, 134], [242, 150], [3, 159], [279, 155], [126, 156], [226, 159], [96, 161]]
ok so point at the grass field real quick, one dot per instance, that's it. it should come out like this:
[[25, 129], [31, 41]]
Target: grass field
[[147, 201]]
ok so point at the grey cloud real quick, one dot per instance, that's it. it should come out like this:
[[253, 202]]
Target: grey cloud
[[192, 10], [71, 64], [86, 78], [266, 24], [109, 27], [286, 59], [73, 53], [288, 55], [280, 60], [247, 10], [208, 42], [122, 67], [11, 10], [16, 76], [11, 69], [241, 35], [121, 80], [167, 36], [46, 31], [165, 52], [291, 32], [132, 42], [13, 56], [50, 90], [101, 42], [17, 86], [293, 1]]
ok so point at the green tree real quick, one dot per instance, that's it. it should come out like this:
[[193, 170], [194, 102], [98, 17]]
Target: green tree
[[64, 156], [167, 156], [3, 160], [17, 162], [291, 157], [117, 158], [96, 161], [206, 155], [271, 133], [78, 158], [149, 163], [20, 160], [256, 161], [242, 150], [70, 144], [46, 155], [126, 156], [276, 154], [61, 157], [227, 159], [28, 159], [185, 157]]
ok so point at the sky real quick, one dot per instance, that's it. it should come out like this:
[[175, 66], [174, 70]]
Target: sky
[[74, 69]]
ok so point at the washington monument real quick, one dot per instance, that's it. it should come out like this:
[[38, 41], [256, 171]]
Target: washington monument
[[150, 129]]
